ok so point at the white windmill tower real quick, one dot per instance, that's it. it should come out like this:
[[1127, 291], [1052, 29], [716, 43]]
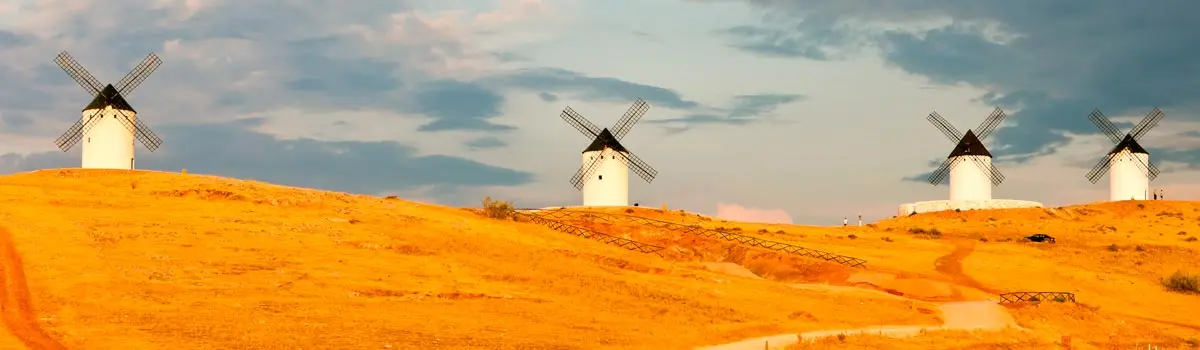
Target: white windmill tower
[[968, 183], [969, 167], [1127, 164], [108, 125], [604, 173]]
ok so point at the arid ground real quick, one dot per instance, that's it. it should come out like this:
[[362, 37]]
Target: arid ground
[[150, 260]]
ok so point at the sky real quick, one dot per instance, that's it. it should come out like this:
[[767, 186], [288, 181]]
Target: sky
[[799, 111]]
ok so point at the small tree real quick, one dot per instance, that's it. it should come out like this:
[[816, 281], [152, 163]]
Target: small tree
[[497, 209]]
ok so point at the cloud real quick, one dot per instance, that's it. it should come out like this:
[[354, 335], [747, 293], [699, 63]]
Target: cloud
[[548, 97], [742, 110], [924, 177], [1051, 64], [459, 106], [228, 58], [13, 121], [810, 44], [331, 67], [232, 149], [736, 212], [486, 142], [9, 39], [563, 81]]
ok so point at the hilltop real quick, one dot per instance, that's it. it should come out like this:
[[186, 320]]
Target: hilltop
[[140, 259]]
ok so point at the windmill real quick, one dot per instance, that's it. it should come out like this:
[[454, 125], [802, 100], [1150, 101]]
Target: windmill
[[604, 174], [108, 124], [1128, 164], [968, 182]]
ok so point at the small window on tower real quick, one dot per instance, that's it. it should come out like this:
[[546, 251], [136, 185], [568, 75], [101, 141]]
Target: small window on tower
[[601, 177]]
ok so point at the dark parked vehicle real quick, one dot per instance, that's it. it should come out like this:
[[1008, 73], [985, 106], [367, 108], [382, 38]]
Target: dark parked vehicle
[[1041, 237]]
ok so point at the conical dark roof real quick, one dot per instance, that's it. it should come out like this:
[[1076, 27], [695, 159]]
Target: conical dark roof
[[969, 146], [605, 140], [1129, 143], [109, 97]]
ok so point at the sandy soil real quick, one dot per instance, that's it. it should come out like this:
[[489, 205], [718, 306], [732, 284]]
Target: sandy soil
[[148, 260]]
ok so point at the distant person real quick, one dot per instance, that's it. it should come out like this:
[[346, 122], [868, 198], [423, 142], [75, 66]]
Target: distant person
[[859, 219], [845, 222], [1155, 194]]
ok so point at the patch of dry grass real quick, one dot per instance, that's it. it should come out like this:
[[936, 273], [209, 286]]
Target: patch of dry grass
[[119, 259], [193, 261]]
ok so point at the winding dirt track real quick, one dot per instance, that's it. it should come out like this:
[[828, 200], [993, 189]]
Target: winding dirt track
[[16, 306], [960, 315], [951, 266]]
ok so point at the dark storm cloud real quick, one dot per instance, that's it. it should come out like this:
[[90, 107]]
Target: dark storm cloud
[[456, 105], [486, 142], [345, 78], [591, 88], [1059, 62], [811, 43], [742, 110], [230, 149]]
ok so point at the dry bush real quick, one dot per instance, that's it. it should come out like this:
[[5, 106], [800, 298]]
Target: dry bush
[[1182, 282], [933, 232], [498, 209]]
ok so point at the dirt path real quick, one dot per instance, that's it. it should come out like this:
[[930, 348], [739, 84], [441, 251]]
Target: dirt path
[[951, 266], [16, 307], [959, 315], [962, 316]]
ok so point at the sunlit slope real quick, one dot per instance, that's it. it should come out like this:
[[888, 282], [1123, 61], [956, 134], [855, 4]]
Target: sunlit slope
[[123, 260], [1111, 255]]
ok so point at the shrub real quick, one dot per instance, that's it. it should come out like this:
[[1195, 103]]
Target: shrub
[[497, 209], [1113, 248], [933, 232], [1182, 282]]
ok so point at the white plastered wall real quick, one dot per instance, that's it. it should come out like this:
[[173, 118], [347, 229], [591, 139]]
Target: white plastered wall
[[1127, 180], [109, 143], [968, 182], [609, 185]]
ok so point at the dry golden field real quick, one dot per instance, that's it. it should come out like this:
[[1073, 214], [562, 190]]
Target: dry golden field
[[99, 259]]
